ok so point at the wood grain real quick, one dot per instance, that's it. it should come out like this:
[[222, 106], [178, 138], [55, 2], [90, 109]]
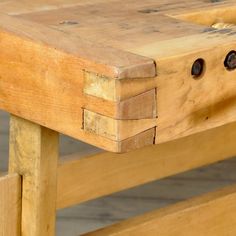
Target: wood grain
[[113, 129], [10, 205], [53, 88], [212, 214], [114, 56], [142, 106], [33, 155], [133, 99], [82, 179]]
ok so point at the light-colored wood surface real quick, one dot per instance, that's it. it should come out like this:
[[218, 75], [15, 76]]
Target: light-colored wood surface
[[95, 214], [10, 205], [213, 214], [59, 91], [34, 155], [142, 106], [82, 179], [105, 57], [117, 130]]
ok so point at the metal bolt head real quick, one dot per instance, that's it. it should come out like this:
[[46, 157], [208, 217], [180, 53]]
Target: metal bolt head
[[197, 68], [230, 61]]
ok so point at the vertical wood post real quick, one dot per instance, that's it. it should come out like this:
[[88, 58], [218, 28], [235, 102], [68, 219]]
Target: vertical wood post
[[10, 205], [34, 155]]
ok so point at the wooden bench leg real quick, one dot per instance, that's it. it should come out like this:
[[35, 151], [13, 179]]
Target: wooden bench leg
[[34, 155], [10, 205]]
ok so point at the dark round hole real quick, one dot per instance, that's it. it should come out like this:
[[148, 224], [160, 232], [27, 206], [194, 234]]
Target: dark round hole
[[198, 68], [230, 61]]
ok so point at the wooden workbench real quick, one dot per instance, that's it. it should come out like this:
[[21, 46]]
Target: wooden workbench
[[119, 75]]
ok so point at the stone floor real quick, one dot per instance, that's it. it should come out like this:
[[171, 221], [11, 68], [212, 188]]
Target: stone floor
[[104, 211]]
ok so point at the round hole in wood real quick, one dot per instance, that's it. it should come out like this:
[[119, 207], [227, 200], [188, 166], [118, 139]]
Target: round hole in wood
[[198, 68], [230, 60]]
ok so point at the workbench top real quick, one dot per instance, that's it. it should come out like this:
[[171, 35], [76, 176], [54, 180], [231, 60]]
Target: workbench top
[[119, 75]]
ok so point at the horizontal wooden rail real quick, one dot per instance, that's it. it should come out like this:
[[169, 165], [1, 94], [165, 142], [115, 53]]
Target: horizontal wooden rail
[[10, 204], [213, 214], [82, 179]]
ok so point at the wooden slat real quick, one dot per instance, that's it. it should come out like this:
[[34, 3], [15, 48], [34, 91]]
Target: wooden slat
[[82, 179], [33, 155], [10, 205], [213, 214]]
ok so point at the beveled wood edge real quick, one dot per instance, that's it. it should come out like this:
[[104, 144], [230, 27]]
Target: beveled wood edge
[[103, 60]]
